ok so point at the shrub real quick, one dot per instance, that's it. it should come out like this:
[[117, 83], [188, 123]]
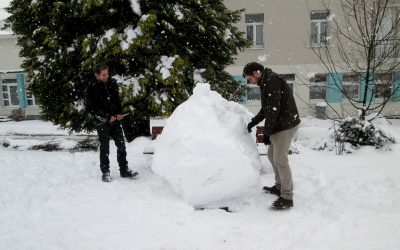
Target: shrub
[[17, 114], [360, 133], [88, 144], [49, 146]]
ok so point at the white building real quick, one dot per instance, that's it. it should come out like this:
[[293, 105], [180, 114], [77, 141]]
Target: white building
[[282, 34], [13, 80]]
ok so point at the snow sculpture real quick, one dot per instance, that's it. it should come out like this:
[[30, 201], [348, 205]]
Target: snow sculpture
[[205, 151]]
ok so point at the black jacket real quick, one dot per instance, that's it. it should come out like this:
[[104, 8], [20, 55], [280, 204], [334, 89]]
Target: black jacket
[[102, 100], [278, 106]]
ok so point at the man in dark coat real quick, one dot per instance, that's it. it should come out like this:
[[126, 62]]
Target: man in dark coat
[[103, 102], [279, 110]]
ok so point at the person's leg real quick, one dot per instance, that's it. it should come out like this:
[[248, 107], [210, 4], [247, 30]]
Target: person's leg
[[281, 142], [270, 155], [118, 137], [104, 138]]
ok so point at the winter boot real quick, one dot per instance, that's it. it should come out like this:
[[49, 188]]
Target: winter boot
[[106, 177], [282, 203], [272, 190], [127, 173]]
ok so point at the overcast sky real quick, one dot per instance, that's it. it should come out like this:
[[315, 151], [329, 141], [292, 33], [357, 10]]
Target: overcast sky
[[3, 13]]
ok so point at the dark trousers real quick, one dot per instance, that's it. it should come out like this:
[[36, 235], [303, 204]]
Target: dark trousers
[[113, 130]]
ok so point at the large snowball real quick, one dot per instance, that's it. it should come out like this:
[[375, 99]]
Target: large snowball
[[205, 151]]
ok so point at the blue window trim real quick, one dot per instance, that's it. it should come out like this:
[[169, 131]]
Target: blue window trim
[[21, 91], [396, 86], [334, 90]]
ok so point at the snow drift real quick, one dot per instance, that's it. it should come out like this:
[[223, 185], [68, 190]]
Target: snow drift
[[205, 151]]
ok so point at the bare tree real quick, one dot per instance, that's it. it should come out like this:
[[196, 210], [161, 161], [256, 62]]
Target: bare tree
[[363, 41]]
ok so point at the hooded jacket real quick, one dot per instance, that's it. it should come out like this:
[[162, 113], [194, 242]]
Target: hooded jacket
[[278, 106], [102, 100]]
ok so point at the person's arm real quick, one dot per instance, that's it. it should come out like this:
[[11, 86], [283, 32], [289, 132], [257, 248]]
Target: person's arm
[[272, 104], [255, 120], [117, 101], [90, 104], [258, 118]]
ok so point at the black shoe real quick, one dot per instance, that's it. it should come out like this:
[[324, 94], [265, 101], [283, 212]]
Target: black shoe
[[272, 190], [282, 203], [127, 173], [106, 177]]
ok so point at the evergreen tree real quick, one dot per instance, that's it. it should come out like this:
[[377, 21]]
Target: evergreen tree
[[157, 50]]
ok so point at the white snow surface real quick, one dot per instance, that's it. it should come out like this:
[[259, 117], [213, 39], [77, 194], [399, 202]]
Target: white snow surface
[[205, 151], [56, 200]]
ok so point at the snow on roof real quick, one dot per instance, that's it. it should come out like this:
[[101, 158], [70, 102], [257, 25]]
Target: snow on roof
[[6, 33]]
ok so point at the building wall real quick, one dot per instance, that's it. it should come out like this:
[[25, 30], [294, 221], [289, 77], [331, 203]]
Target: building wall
[[286, 29], [13, 77], [286, 50], [9, 52]]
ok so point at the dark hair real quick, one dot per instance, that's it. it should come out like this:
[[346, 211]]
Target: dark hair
[[99, 67], [251, 67]]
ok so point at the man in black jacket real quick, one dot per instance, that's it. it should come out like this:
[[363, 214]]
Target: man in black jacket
[[279, 110], [103, 102]]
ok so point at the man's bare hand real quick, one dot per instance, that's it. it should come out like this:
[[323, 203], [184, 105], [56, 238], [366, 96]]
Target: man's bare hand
[[120, 117], [113, 119]]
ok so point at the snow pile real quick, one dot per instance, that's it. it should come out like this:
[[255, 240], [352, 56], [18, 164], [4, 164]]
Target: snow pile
[[316, 134], [205, 151], [56, 200]]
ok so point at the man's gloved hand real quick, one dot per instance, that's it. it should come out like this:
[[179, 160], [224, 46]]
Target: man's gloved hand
[[251, 125], [267, 140]]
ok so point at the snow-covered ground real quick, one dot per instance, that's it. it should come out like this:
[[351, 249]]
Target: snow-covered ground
[[56, 200]]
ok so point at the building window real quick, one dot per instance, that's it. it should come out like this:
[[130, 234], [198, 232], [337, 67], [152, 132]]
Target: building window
[[254, 94], [383, 86], [319, 27], [255, 29], [30, 99], [318, 86], [290, 79], [351, 84], [10, 92]]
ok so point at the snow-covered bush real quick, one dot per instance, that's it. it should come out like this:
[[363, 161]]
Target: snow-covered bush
[[360, 133], [48, 146], [88, 144]]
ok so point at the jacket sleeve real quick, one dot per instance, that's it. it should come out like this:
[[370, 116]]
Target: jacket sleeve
[[91, 106], [272, 104], [117, 99], [258, 118]]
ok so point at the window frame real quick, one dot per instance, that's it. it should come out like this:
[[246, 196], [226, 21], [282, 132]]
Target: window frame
[[388, 85], [317, 18], [30, 97], [6, 83], [253, 26], [290, 79], [256, 92], [354, 80], [320, 81]]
